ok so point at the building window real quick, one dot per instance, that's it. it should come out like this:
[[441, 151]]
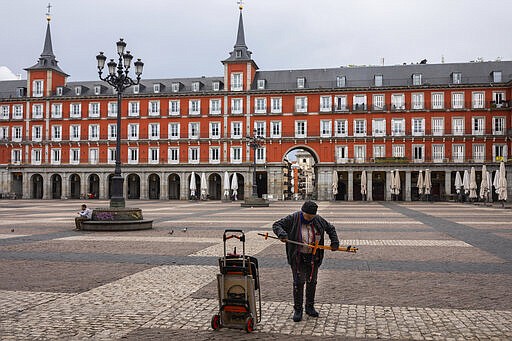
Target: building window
[[236, 106], [17, 134], [215, 130], [236, 154], [154, 155], [499, 152], [360, 153], [498, 125], [37, 111], [37, 88], [112, 132], [214, 154], [74, 132], [379, 127], [437, 100], [59, 90], [378, 102], [301, 82], [78, 90], [173, 155], [456, 78], [94, 110], [37, 133], [377, 80], [97, 89], [136, 88], [193, 130], [325, 128], [340, 103], [154, 108], [134, 108], [458, 153], [325, 103], [133, 131], [216, 86], [458, 126], [175, 87], [174, 108], [111, 155], [341, 154], [438, 152], [4, 134], [398, 102], [56, 110], [260, 105], [236, 82], [193, 155], [359, 127], [56, 133], [438, 126], [75, 110], [418, 153], [416, 79], [215, 107], [194, 107], [341, 128], [195, 86], [261, 155], [93, 156], [74, 156], [478, 100], [496, 77], [300, 128], [174, 131], [478, 126], [133, 155], [36, 156], [260, 127], [154, 131], [156, 88], [261, 84], [379, 150], [236, 130], [398, 127], [498, 99], [56, 153], [94, 132], [341, 81], [275, 129], [4, 112], [112, 109], [418, 126], [457, 100], [398, 150], [277, 107], [479, 152], [301, 104], [417, 101], [359, 102]]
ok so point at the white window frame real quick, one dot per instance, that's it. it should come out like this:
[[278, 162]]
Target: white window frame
[[193, 155], [173, 155], [133, 155], [112, 132], [215, 106], [378, 80], [417, 79], [341, 81], [418, 153], [437, 100], [214, 154], [261, 155], [37, 111], [56, 133], [111, 156], [94, 132], [379, 127], [261, 128], [153, 155], [38, 88], [359, 153], [237, 106], [378, 102], [341, 154], [154, 108], [74, 156], [4, 112], [499, 152], [236, 130], [341, 128], [478, 125], [260, 105], [277, 105], [478, 152], [478, 100], [193, 130], [56, 156], [112, 109], [340, 103], [398, 123], [301, 104], [75, 132], [56, 110], [36, 156], [397, 101], [301, 128], [154, 131], [325, 128], [438, 126], [94, 155], [360, 102], [174, 130], [156, 88], [438, 154], [97, 89], [237, 82], [75, 110], [301, 82], [134, 108], [215, 130], [235, 155], [94, 109], [194, 107], [325, 103], [458, 152], [276, 128], [418, 101], [379, 151], [37, 133], [398, 150], [498, 125], [174, 107], [458, 126], [457, 100], [360, 127], [418, 126], [133, 131]]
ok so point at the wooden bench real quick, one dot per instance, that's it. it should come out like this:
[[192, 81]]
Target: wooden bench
[[116, 225]]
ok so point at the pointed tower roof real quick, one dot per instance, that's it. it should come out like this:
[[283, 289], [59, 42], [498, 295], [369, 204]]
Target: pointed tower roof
[[240, 51], [47, 59]]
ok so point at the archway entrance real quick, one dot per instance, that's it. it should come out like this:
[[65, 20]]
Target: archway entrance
[[17, 185], [37, 186], [302, 174], [379, 186], [215, 186], [74, 186], [133, 186], [56, 181], [154, 187], [94, 187], [174, 187]]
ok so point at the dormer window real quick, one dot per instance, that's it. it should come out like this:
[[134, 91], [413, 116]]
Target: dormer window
[[416, 79], [301, 82], [175, 87], [97, 89], [21, 92], [156, 88], [238, 53], [216, 86], [78, 90], [496, 77], [261, 84], [341, 81], [195, 86], [456, 78], [136, 89], [377, 81], [37, 88], [59, 91]]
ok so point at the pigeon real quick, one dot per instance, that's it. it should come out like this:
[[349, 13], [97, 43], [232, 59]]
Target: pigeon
[[185, 229], [12, 230], [171, 231]]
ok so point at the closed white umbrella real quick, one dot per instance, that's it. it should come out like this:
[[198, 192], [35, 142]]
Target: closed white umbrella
[[502, 183], [472, 184], [428, 181], [234, 186], [420, 184], [489, 185], [193, 184], [225, 185], [204, 187], [496, 180], [465, 182], [334, 184], [484, 185], [392, 185], [397, 182], [458, 182], [363, 183]]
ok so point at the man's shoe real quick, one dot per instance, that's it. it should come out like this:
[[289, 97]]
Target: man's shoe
[[297, 315], [311, 311]]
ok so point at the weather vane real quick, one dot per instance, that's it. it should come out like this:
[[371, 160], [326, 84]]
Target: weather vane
[[48, 17], [240, 4]]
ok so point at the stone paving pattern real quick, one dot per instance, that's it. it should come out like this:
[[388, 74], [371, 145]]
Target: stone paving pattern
[[424, 271]]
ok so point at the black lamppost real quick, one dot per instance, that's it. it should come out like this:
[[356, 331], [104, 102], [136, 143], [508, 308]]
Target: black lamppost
[[120, 81], [255, 142]]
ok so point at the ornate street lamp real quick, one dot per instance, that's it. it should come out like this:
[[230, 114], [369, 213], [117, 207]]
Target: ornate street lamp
[[120, 81], [255, 142]]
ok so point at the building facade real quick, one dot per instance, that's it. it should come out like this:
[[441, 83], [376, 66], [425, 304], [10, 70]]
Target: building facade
[[58, 138]]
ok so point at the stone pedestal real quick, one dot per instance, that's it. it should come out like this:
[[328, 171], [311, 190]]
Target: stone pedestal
[[117, 219], [254, 202]]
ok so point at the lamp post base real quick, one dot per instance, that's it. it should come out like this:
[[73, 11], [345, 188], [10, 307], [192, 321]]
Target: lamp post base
[[254, 202], [117, 203]]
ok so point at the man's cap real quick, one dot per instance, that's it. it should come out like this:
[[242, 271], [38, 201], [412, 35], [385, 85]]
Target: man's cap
[[309, 207]]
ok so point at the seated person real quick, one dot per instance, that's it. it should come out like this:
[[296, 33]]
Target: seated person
[[84, 214]]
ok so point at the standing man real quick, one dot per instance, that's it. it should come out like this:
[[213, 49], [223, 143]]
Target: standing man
[[307, 227], [84, 214]]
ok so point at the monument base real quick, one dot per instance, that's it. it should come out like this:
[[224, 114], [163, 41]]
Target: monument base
[[255, 202], [117, 219]]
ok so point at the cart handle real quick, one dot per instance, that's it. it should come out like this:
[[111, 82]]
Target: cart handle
[[241, 237]]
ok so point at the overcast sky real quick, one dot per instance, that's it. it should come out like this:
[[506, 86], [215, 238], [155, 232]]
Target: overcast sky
[[186, 38]]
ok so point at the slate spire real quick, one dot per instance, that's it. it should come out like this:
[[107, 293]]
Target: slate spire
[[240, 51]]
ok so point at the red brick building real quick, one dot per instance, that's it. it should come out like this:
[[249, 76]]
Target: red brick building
[[58, 138]]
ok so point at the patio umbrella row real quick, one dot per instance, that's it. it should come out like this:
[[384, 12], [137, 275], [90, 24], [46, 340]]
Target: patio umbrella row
[[468, 183], [204, 186]]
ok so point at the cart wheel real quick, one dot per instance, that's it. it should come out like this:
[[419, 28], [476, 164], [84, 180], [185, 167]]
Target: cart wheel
[[249, 324], [216, 322]]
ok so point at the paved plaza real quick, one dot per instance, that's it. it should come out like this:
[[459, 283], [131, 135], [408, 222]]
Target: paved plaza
[[424, 271]]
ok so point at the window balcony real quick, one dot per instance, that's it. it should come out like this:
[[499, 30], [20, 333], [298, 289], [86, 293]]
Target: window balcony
[[499, 105]]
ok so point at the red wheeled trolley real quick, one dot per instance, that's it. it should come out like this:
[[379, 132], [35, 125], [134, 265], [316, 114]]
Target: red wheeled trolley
[[237, 284]]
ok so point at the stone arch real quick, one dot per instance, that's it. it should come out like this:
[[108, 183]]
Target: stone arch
[[133, 186], [36, 182], [74, 186], [153, 186], [304, 147], [215, 186], [93, 186], [174, 183], [56, 186]]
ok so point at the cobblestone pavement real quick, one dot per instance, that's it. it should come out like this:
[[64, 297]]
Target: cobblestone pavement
[[424, 271]]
